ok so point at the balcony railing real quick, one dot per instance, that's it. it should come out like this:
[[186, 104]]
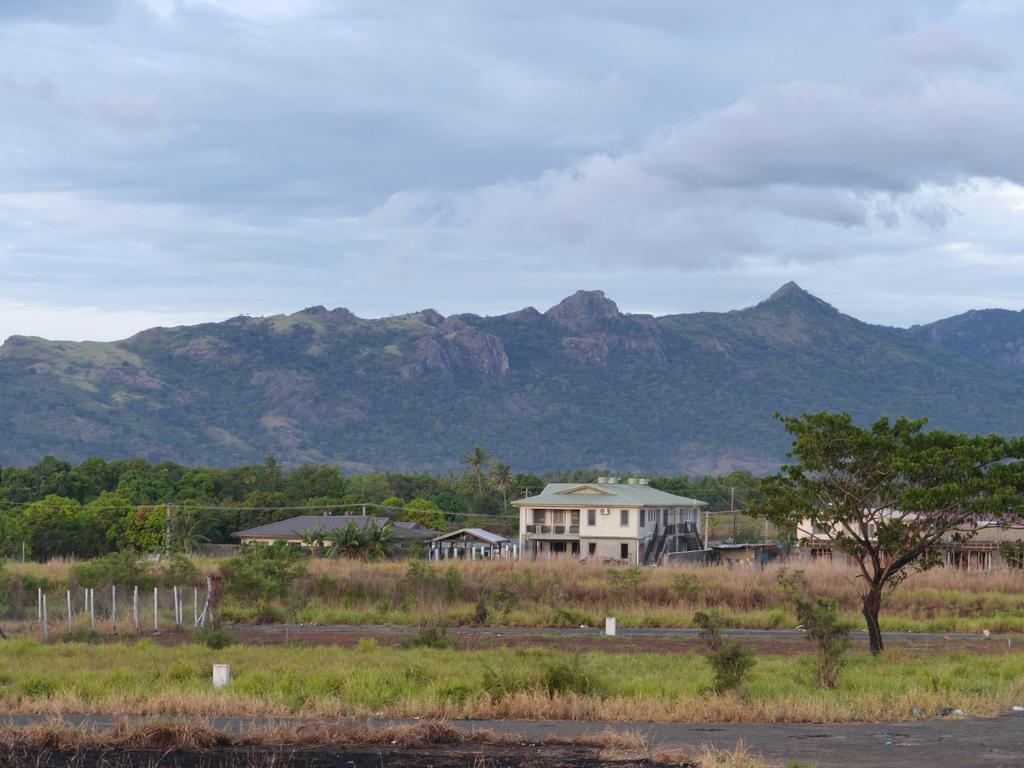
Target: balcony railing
[[557, 530]]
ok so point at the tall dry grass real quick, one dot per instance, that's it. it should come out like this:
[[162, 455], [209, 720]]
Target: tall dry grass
[[564, 592]]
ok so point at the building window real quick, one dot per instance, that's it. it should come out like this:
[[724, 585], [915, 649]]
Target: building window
[[592, 548], [538, 516], [664, 517], [624, 518], [591, 518], [643, 517], [624, 550]]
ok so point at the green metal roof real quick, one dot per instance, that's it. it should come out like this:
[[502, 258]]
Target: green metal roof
[[605, 495]]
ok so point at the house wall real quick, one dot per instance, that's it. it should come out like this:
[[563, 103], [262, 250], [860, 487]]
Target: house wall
[[609, 524]]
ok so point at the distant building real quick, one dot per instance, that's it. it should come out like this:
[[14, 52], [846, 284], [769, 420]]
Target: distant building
[[991, 546], [608, 520], [471, 544], [294, 529]]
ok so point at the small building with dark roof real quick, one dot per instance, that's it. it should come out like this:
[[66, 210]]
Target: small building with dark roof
[[294, 529]]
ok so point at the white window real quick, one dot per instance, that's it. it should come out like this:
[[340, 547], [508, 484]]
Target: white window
[[643, 517], [591, 517], [538, 517], [624, 518]]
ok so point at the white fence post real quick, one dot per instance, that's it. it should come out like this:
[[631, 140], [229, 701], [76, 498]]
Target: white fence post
[[92, 608], [135, 607], [609, 626], [156, 603], [69, 612]]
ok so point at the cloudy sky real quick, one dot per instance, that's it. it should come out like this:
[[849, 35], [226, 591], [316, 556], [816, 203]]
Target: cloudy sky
[[170, 161]]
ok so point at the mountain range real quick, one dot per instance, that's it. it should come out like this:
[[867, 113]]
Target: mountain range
[[580, 385]]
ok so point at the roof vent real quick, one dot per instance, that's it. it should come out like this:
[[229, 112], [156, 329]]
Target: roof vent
[[642, 481], [631, 481], [613, 480], [602, 480]]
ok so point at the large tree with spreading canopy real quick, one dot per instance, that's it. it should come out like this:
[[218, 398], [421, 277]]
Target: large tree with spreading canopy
[[890, 495]]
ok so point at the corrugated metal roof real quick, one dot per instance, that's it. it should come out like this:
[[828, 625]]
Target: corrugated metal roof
[[295, 527], [606, 495], [479, 533]]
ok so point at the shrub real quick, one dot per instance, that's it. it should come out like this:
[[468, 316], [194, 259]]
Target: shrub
[[263, 571], [180, 571], [214, 639], [116, 568], [568, 677], [6, 591], [456, 692], [453, 584], [730, 662], [686, 587], [500, 684], [564, 616], [820, 617], [430, 637], [480, 613]]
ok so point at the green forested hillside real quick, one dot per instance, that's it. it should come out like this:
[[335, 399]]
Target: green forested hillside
[[579, 385]]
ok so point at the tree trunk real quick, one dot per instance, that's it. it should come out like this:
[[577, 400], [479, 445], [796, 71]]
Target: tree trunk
[[872, 606]]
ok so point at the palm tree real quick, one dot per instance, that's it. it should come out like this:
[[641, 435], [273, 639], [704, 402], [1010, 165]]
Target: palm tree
[[477, 459], [314, 539], [501, 475], [380, 540], [190, 526], [349, 541]]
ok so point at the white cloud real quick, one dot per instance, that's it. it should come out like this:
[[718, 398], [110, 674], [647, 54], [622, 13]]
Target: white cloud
[[217, 155]]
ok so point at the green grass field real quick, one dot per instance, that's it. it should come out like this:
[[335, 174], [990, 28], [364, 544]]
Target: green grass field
[[145, 678]]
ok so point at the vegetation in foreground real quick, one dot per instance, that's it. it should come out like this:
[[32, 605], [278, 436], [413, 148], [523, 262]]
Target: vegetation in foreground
[[144, 678], [438, 742]]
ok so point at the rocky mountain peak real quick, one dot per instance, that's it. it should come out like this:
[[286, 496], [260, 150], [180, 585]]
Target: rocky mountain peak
[[792, 295], [583, 308]]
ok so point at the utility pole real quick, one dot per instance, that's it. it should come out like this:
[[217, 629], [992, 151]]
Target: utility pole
[[167, 538], [732, 508]]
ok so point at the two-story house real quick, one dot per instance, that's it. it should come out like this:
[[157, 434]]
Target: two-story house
[[608, 519]]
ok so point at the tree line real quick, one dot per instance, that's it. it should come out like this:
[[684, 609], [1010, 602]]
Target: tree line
[[55, 508]]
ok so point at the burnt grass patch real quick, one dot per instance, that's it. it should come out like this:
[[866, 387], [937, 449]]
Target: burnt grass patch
[[435, 744]]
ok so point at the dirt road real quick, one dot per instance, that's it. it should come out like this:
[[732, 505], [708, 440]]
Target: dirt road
[[947, 743], [783, 642]]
